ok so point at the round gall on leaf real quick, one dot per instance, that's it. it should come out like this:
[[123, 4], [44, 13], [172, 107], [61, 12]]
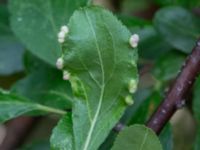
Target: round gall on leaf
[[66, 75], [129, 101], [61, 40], [65, 29], [132, 86], [134, 40], [59, 63], [61, 35]]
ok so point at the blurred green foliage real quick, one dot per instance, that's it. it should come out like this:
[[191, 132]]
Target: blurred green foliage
[[168, 31]]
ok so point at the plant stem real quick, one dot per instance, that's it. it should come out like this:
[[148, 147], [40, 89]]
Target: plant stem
[[175, 97], [51, 110]]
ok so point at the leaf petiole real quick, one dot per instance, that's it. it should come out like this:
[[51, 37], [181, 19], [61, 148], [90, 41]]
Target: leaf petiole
[[51, 110]]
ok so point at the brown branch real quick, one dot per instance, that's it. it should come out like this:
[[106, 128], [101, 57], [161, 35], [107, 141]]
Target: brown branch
[[17, 131], [181, 87]]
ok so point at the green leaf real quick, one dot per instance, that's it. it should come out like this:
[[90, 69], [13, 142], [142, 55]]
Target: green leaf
[[11, 54], [185, 3], [147, 101], [62, 136], [108, 143], [137, 137], [178, 26], [11, 51], [44, 85], [146, 108], [151, 45], [137, 113], [13, 106], [4, 17], [37, 23], [167, 66], [101, 62], [132, 21]]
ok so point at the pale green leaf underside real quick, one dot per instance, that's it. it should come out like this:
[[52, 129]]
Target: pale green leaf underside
[[101, 63], [37, 22], [13, 106], [62, 136], [137, 137]]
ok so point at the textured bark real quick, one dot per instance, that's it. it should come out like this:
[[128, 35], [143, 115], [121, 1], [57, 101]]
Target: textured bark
[[175, 98]]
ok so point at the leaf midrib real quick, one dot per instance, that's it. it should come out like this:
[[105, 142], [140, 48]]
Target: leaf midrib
[[144, 140], [94, 120]]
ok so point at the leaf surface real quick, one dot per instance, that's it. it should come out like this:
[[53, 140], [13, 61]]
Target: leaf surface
[[178, 27], [62, 136], [36, 23], [137, 137], [167, 66], [184, 3], [11, 51], [13, 106], [44, 84], [101, 62]]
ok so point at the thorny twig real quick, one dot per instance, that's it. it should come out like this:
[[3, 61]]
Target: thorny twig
[[179, 90]]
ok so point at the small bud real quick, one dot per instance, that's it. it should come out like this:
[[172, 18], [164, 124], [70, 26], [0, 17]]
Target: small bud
[[66, 75], [64, 29], [59, 63], [61, 35], [132, 86], [61, 40], [129, 101], [134, 39]]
